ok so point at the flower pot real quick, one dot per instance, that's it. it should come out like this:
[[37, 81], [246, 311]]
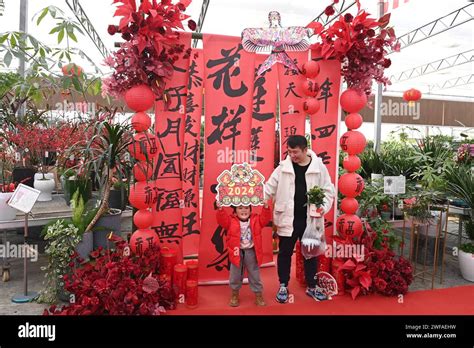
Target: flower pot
[[426, 244], [118, 199], [86, 245], [7, 213], [24, 175], [46, 186], [110, 222], [466, 265]]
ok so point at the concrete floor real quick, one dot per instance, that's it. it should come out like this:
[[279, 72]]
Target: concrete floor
[[451, 278]]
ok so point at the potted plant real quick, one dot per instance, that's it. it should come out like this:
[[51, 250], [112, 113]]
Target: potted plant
[[315, 200], [119, 194], [72, 180], [45, 183]]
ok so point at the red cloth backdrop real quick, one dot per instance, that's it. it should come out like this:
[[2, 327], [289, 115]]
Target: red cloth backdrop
[[191, 155], [292, 116], [324, 128], [169, 128], [263, 135], [228, 83]]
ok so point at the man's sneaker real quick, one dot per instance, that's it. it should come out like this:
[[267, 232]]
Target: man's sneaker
[[315, 294], [282, 295]]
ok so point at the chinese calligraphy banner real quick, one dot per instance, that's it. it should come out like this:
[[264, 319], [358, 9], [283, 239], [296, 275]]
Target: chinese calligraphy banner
[[263, 135], [228, 84], [292, 115], [169, 127], [192, 154], [324, 128]]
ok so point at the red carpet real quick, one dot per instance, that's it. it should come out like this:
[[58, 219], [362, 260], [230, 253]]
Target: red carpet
[[213, 300]]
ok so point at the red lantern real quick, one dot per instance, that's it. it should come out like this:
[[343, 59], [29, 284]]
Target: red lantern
[[142, 171], [311, 105], [71, 69], [143, 218], [353, 121], [139, 98], [141, 121], [143, 239], [310, 69], [351, 163], [411, 96], [310, 88], [352, 100], [144, 146], [349, 225], [141, 194], [351, 185], [353, 142], [349, 205]]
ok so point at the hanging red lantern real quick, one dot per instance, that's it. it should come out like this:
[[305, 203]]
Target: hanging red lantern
[[353, 121], [351, 184], [71, 69], [310, 88], [411, 96], [142, 171], [310, 69], [144, 146], [141, 194], [349, 225], [349, 205], [351, 163], [352, 100], [141, 122], [353, 142], [143, 239], [143, 218], [311, 105], [139, 98]]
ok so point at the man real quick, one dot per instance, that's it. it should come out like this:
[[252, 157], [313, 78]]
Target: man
[[287, 186]]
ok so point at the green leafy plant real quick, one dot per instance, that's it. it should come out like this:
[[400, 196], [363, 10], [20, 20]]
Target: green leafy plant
[[316, 196]]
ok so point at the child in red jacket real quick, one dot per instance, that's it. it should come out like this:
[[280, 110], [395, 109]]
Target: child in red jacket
[[244, 243]]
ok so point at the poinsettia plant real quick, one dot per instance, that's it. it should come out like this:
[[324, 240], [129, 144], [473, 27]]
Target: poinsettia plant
[[361, 44], [151, 45]]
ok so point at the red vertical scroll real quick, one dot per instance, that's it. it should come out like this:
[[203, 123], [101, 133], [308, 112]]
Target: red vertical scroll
[[324, 128], [292, 116], [169, 128], [192, 154], [263, 134], [228, 84]]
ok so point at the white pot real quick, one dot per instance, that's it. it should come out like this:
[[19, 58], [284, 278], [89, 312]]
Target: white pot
[[39, 176], [466, 265], [46, 187], [7, 213]]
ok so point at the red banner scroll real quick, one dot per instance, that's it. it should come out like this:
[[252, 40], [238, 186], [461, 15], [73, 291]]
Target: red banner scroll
[[169, 127], [228, 83], [192, 155]]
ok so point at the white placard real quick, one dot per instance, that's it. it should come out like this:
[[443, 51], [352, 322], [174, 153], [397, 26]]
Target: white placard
[[394, 185], [24, 198]]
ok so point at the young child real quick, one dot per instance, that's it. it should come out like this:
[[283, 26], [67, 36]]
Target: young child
[[244, 243]]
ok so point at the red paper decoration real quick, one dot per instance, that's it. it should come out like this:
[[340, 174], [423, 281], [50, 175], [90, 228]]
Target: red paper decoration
[[141, 121], [352, 100], [310, 69], [144, 146], [351, 184], [141, 194], [349, 205], [71, 69], [142, 171], [351, 163], [349, 225], [193, 268], [179, 279], [310, 88], [143, 218], [191, 294], [353, 142], [142, 239], [353, 121], [139, 98], [168, 261], [311, 105]]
